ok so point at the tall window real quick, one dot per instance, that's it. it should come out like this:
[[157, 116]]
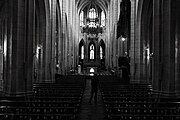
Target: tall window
[[103, 21], [92, 13], [101, 53], [91, 52], [82, 52], [92, 16], [82, 18]]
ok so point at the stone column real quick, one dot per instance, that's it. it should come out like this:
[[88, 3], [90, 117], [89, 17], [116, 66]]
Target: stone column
[[136, 45], [18, 81], [59, 39], [7, 45], [30, 18], [132, 39], [156, 44], [53, 39], [168, 44], [177, 48], [47, 45]]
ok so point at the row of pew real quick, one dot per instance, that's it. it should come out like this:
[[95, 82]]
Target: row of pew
[[49, 101], [136, 102]]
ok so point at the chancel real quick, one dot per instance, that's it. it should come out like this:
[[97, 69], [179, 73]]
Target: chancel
[[52, 50]]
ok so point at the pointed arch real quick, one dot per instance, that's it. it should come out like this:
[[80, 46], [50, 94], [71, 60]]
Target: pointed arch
[[82, 18], [91, 48], [103, 19], [103, 4], [92, 51], [81, 49], [102, 48]]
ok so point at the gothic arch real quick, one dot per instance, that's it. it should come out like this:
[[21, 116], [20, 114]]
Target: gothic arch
[[95, 51], [81, 43], [81, 4], [102, 50], [102, 44], [124, 23]]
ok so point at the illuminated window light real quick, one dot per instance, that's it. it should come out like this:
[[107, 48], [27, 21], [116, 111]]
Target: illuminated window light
[[82, 52], [92, 70], [5, 46]]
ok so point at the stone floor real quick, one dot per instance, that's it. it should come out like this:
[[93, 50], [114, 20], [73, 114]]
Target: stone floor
[[91, 111]]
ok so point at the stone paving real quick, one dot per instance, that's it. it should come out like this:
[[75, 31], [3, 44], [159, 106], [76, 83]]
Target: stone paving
[[91, 111]]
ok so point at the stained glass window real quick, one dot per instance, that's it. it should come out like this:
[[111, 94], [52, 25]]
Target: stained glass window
[[92, 52], [82, 52], [82, 18], [101, 53], [103, 21], [92, 13]]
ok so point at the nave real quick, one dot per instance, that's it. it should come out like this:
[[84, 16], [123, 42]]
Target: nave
[[68, 98], [49, 47]]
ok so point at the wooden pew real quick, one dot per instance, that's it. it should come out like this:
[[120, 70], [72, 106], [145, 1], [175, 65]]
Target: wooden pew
[[49, 101], [136, 102]]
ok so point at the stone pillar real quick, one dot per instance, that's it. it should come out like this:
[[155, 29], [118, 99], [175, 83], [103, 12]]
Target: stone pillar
[[156, 44], [7, 45], [64, 27], [19, 44], [177, 48], [132, 39], [47, 40], [53, 39], [168, 47], [30, 18], [136, 45], [59, 40], [145, 38]]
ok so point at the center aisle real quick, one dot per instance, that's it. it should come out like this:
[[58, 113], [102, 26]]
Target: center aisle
[[91, 111]]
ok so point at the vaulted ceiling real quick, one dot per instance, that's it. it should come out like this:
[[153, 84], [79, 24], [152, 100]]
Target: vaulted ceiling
[[2, 2], [103, 4]]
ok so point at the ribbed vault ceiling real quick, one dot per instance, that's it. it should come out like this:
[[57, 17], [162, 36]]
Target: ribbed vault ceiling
[[103, 4], [2, 2]]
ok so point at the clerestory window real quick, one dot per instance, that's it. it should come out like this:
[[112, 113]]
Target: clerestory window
[[103, 19], [92, 13], [82, 18]]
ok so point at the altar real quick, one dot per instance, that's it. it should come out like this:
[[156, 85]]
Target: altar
[[91, 70]]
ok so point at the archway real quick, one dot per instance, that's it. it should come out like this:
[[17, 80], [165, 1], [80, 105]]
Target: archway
[[102, 48], [124, 23], [81, 52], [92, 51]]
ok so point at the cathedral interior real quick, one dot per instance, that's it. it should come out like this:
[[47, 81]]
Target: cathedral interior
[[50, 50]]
